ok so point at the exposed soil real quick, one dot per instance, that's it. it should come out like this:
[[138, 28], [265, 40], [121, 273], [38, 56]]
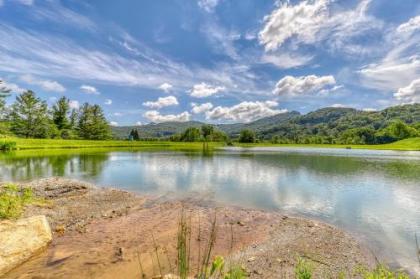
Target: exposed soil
[[108, 233]]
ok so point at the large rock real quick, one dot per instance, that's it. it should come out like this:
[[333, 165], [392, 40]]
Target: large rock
[[21, 239]]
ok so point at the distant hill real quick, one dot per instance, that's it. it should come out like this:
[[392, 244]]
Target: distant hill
[[323, 122]]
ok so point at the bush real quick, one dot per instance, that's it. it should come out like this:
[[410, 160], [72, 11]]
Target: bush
[[380, 272], [12, 201], [247, 136], [7, 145]]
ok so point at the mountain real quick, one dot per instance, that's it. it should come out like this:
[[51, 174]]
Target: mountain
[[325, 122]]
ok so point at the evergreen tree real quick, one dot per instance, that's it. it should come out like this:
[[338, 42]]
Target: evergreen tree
[[60, 114], [29, 116], [93, 124], [134, 134], [4, 92], [207, 131]]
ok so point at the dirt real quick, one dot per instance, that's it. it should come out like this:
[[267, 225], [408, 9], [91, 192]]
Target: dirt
[[109, 233]]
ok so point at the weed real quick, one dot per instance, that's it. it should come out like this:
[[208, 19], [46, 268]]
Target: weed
[[381, 272], [7, 145], [12, 200], [303, 269]]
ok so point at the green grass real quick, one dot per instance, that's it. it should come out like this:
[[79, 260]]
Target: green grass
[[412, 144], [47, 144], [13, 200], [26, 144]]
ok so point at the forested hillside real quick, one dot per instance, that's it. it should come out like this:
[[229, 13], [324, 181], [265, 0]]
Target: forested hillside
[[326, 125]]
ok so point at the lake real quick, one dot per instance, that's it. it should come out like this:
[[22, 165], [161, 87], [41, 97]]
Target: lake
[[372, 194]]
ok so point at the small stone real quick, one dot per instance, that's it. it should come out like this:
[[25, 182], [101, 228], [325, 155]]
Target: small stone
[[257, 272], [251, 259], [284, 217], [60, 229], [241, 223]]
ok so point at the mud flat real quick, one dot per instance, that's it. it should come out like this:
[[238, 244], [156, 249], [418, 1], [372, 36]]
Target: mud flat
[[109, 233]]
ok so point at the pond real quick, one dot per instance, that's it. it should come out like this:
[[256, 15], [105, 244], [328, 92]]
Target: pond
[[372, 194]]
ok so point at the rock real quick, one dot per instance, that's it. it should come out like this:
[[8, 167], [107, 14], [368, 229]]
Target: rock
[[22, 239], [241, 223], [251, 259], [60, 229]]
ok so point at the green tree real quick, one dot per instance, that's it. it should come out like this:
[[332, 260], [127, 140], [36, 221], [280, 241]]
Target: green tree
[[191, 134], [61, 113], [247, 136], [4, 91], [207, 131], [134, 134], [93, 124], [29, 116]]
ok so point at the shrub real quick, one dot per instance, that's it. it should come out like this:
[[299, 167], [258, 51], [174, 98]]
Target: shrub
[[381, 271], [12, 201], [7, 145], [303, 269], [247, 136]]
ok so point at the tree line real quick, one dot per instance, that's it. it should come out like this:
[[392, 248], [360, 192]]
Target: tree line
[[30, 117]]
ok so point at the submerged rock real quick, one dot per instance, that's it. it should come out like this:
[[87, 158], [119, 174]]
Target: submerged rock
[[21, 239]]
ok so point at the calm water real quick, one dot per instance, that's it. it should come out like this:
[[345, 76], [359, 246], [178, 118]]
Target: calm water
[[373, 194]]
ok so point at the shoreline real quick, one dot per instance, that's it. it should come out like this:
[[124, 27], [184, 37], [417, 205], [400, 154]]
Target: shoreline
[[101, 231]]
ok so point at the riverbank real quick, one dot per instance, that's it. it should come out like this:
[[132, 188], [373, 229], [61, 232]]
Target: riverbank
[[412, 144], [108, 233]]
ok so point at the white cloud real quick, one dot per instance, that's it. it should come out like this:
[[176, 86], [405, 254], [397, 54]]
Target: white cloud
[[302, 20], [47, 85], [411, 25], [201, 108], [117, 114], [221, 39], [88, 89], [203, 90], [166, 87], [400, 64], [316, 22], [162, 102], [410, 93], [155, 116], [74, 104], [293, 86], [245, 111], [139, 123], [26, 2], [369, 109], [208, 5], [1, 3], [113, 123], [108, 102], [286, 60], [338, 106], [13, 87]]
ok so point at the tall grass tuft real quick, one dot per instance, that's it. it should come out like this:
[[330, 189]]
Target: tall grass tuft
[[7, 145], [183, 246], [13, 200], [303, 269]]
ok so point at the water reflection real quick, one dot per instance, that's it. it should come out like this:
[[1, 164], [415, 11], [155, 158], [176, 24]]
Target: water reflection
[[371, 194]]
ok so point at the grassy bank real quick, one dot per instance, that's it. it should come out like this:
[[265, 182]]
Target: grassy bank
[[27, 144], [412, 144], [32, 144]]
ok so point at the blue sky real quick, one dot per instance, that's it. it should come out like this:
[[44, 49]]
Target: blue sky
[[212, 60]]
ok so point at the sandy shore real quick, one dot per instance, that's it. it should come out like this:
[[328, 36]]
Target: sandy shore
[[108, 233]]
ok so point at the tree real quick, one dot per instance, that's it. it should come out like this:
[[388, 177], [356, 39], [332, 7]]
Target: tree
[[191, 134], [4, 91], [134, 134], [61, 113], [247, 136], [207, 131], [29, 116], [92, 123]]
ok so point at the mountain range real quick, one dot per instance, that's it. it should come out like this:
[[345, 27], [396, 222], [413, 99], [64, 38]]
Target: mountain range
[[325, 121]]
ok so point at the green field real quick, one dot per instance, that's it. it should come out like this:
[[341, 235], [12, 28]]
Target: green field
[[28, 144]]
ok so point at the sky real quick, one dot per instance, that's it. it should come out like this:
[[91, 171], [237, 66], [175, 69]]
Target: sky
[[219, 61]]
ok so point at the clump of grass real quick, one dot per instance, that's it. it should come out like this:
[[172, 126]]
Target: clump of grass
[[381, 272], [7, 145], [303, 269], [13, 200]]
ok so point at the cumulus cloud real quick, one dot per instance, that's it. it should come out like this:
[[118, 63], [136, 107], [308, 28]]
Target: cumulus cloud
[[155, 116], [108, 102], [286, 60], [315, 22], [203, 90], [162, 102], [88, 89], [74, 104], [165, 87], [245, 111], [113, 123], [139, 123], [410, 93], [47, 85], [208, 5], [201, 108], [293, 86]]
